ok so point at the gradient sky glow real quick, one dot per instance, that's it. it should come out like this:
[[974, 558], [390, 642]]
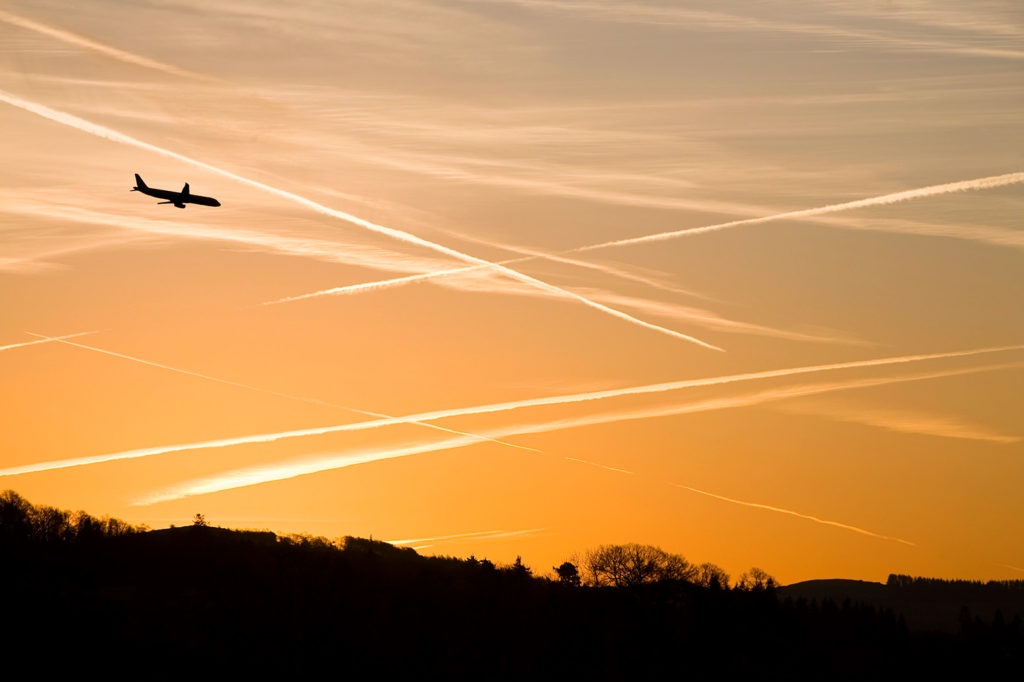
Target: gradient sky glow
[[821, 374]]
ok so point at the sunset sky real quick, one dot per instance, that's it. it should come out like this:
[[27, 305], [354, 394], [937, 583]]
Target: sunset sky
[[825, 381]]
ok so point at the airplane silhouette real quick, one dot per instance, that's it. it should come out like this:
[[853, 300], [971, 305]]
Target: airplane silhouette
[[179, 199]]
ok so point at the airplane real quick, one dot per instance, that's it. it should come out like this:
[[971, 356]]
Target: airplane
[[179, 199]]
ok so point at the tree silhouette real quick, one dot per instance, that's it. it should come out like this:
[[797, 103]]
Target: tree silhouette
[[520, 569], [199, 520], [568, 574], [634, 564], [710, 575], [756, 580]]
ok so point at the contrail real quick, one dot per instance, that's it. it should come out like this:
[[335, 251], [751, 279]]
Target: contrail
[[881, 200], [45, 339], [797, 514], [400, 235], [531, 254], [311, 401], [329, 461], [488, 409], [87, 43], [369, 286], [479, 535]]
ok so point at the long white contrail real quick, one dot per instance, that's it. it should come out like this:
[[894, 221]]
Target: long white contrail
[[250, 476], [479, 535], [496, 407], [89, 44], [45, 339], [289, 396], [880, 200], [394, 233]]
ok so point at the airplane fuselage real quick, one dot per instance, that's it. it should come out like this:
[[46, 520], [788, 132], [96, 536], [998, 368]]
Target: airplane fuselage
[[179, 199]]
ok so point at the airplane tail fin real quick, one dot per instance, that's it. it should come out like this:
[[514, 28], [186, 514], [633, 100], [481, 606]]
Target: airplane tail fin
[[139, 184], [184, 190]]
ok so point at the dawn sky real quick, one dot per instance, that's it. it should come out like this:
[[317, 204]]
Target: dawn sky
[[522, 277]]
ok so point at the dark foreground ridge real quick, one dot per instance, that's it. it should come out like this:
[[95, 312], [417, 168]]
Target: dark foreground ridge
[[80, 593]]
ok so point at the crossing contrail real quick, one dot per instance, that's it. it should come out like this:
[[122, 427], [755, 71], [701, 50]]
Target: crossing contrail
[[493, 408], [881, 200], [228, 382], [394, 233], [44, 339], [250, 476]]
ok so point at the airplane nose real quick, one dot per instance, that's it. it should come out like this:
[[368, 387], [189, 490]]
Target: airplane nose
[[216, 203]]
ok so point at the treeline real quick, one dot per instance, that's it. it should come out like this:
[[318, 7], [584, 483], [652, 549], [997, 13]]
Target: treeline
[[80, 593]]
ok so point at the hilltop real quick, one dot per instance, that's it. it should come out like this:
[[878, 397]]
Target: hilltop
[[80, 593]]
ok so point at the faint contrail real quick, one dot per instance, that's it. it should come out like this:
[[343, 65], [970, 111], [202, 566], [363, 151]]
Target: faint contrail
[[311, 401], [89, 44], [781, 510], [45, 339], [400, 235], [487, 409], [881, 200]]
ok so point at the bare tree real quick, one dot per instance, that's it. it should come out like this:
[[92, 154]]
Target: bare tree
[[633, 564], [710, 575], [755, 580]]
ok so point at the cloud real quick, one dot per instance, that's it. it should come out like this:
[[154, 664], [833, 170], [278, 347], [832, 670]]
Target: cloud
[[905, 421], [696, 19], [101, 48]]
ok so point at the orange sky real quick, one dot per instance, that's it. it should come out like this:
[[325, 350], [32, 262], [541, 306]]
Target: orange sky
[[357, 142]]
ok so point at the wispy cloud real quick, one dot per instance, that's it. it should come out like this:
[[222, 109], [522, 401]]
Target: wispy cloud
[[101, 48], [391, 232], [695, 19], [332, 251], [497, 407], [905, 421]]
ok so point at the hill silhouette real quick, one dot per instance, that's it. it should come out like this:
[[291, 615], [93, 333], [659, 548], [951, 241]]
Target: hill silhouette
[[924, 603], [83, 593]]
